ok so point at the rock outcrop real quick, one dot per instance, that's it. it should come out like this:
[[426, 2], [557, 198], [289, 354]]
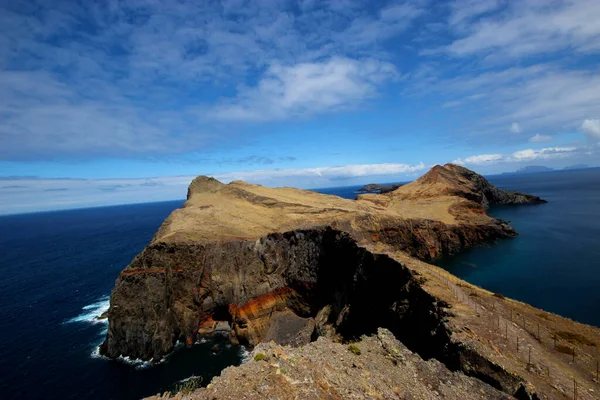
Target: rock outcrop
[[379, 367], [290, 266], [379, 189]]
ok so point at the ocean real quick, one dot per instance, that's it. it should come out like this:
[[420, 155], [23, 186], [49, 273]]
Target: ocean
[[57, 270]]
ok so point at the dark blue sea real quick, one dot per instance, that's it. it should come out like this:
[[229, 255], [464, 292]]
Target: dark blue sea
[[57, 270], [554, 263]]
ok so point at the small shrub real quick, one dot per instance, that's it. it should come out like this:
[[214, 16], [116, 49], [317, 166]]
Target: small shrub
[[259, 357], [189, 385], [354, 349], [499, 295], [561, 348]]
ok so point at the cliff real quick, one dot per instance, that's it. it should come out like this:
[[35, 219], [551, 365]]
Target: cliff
[[291, 266]]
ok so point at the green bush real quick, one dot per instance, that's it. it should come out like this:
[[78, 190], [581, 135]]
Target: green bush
[[354, 349], [259, 357], [189, 385]]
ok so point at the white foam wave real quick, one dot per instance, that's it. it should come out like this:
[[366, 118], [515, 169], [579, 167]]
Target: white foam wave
[[136, 362], [90, 313], [189, 378], [244, 354]]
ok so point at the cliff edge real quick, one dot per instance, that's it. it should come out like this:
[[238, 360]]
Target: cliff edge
[[290, 266]]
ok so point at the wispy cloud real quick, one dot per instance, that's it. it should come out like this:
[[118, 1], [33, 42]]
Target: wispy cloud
[[307, 89], [515, 128], [537, 138], [144, 78], [592, 128], [525, 28]]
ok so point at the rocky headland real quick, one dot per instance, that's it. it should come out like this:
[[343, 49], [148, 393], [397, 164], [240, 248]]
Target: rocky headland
[[379, 189], [295, 273]]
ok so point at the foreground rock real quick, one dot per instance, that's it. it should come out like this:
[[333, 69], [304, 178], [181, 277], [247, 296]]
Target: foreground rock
[[290, 266], [377, 367]]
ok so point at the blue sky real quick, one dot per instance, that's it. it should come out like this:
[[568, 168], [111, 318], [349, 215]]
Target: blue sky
[[114, 102]]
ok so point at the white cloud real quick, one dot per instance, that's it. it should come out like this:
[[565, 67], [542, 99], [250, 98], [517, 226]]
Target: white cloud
[[543, 154], [480, 159], [548, 153], [142, 73], [592, 128], [464, 11], [31, 194], [537, 138], [542, 97], [527, 28], [515, 128], [307, 89]]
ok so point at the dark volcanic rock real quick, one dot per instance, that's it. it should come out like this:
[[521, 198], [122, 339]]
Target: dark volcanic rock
[[376, 188], [313, 269]]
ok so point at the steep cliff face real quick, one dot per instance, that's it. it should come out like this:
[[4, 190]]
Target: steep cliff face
[[275, 287]]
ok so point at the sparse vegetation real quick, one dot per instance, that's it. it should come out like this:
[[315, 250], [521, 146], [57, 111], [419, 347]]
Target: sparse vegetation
[[354, 349], [499, 295], [473, 295], [575, 338], [189, 385], [561, 348], [259, 357]]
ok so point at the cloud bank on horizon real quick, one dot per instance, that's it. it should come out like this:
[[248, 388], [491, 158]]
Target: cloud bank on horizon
[[300, 93]]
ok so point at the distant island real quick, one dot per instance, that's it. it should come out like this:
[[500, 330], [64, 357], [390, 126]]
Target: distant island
[[376, 188], [577, 166], [534, 168], [530, 169]]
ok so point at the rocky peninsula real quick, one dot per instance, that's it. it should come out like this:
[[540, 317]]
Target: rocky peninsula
[[378, 188], [295, 274]]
